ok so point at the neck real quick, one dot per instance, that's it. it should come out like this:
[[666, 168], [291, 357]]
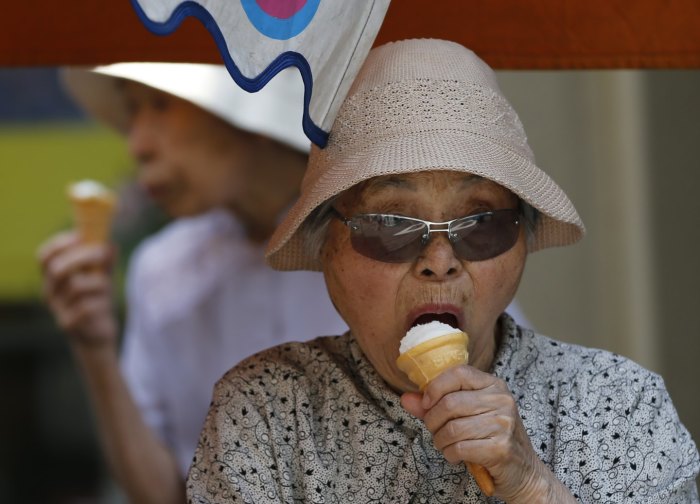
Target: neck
[[272, 188], [482, 356]]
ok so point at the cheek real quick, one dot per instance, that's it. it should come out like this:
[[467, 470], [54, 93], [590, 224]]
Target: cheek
[[496, 281], [362, 290]]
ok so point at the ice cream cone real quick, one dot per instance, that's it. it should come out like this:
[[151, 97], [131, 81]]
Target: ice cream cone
[[93, 208], [425, 361]]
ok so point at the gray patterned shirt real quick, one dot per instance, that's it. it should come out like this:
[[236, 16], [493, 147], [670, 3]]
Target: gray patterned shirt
[[314, 423]]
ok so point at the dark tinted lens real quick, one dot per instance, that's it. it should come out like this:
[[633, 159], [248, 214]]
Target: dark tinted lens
[[484, 236], [386, 238]]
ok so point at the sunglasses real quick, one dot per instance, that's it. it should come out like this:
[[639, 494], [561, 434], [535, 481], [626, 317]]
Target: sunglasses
[[397, 239]]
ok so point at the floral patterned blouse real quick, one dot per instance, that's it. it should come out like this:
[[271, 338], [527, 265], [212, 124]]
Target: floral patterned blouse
[[314, 423]]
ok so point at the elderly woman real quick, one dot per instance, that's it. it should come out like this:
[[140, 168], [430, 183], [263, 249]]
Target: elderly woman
[[424, 207]]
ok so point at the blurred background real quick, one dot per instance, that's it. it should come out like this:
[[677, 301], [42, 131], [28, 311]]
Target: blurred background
[[622, 144]]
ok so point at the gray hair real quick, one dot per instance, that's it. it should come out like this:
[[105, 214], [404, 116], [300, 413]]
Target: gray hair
[[315, 227]]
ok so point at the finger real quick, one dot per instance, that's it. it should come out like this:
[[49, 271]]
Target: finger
[[456, 378], [87, 312], [483, 426], [56, 245], [411, 402], [475, 451], [81, 284], [74, 259], [87, 283], [467, 403]]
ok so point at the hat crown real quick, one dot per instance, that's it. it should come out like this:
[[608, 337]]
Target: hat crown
[[415, 86], [417, 59]]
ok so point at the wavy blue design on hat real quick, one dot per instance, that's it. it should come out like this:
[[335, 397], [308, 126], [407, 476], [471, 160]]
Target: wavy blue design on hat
[[280, 28], [284, 60]]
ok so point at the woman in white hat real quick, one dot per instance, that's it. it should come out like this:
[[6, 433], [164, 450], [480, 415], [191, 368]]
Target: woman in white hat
[[226, 164], [424, 206]]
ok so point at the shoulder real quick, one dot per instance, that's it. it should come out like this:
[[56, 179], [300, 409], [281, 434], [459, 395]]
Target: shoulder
[[589, 379], [189, 234], [293, 366], [190, 246], [314, 358], [566, 362], [199, 252], [593, 409]]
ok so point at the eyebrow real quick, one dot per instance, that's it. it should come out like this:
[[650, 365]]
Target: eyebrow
[[470, 179], [398, 181], [377, 184]]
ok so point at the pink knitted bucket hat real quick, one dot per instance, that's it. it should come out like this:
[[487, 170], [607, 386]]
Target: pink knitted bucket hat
[[421, 105]]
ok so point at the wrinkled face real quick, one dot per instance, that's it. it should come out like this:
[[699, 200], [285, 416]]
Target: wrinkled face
[[189, 161], [380, 301]]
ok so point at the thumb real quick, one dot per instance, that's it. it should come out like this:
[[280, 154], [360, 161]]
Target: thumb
[[412, 402]]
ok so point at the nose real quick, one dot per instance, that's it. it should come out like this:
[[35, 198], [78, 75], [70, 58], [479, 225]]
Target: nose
[[437, 260], [141, 138]]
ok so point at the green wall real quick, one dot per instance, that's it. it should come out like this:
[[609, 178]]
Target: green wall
[[36, 165]]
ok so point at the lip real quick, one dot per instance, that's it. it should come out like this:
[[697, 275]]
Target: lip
[[435, 308], [156, 191]]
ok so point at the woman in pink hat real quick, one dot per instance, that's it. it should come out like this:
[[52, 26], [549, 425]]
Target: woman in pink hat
[[424, 207], [226, 165]]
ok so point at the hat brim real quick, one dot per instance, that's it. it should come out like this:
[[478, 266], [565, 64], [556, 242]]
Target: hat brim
[[274, 111], [437, 149]]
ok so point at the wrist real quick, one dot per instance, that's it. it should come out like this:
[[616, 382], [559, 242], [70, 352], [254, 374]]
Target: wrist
[[90, 352], [543, 487]]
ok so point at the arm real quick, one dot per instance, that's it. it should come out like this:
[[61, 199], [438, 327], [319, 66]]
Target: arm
[[78, 287], [142, 464]]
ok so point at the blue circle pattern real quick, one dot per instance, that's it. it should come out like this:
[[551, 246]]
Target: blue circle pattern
[[276, 28]]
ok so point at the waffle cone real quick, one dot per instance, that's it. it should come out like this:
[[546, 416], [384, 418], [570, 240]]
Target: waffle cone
[[93, 217], [425, 361]]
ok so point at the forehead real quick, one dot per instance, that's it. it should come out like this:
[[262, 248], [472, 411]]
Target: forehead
[[415, 181], [437, 188], [406, 185]]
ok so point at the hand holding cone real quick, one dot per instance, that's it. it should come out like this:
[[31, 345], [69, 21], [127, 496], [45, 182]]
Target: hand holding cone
[[426, 360]]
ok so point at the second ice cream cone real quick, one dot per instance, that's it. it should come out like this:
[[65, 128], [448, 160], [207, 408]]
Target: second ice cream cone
[[93, 208]]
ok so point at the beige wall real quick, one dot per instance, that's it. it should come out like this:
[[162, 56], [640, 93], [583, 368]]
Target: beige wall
[[624, 146]]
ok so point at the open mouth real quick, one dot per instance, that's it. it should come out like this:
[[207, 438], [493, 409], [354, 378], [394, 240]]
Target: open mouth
[[446, 318]]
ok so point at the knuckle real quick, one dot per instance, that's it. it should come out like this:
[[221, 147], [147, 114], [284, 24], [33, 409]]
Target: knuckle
[[502, 447], [462, 372], [509, 402], [53, 269], [450, 402], [454, 453], [506, 423], [431, 424], [452, 430], [67, 321], [72, 285]]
